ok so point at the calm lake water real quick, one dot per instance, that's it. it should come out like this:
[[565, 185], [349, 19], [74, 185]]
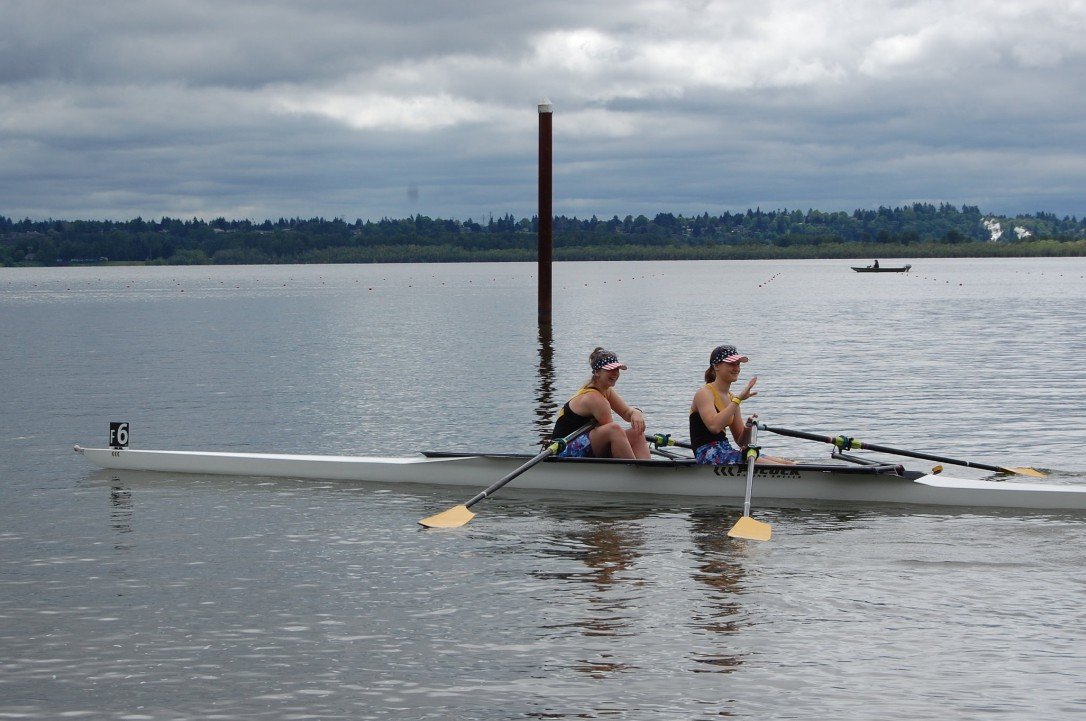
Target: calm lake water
[[157, 597]]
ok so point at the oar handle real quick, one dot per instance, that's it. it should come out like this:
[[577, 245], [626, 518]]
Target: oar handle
[[846, 443], [556, 447]]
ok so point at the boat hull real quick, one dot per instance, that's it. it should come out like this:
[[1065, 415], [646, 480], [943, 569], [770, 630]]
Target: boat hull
[[774, 485], [871, 269]]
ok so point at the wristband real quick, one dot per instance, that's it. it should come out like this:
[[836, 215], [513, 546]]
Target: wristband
[[736, 400]]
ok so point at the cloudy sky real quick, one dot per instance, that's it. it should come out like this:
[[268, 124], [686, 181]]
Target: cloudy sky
[[367, 109]]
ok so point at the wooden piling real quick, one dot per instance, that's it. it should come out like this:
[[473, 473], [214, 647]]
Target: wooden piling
[[546, 213]]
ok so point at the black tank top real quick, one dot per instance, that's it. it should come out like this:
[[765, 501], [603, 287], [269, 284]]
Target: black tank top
[[699, 433], [567, 420]]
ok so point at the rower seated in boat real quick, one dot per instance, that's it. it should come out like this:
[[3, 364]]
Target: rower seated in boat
[[715, 410], [596, 401]]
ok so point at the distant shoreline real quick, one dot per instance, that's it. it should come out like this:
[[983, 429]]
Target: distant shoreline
[[444, 254], [920, 230]]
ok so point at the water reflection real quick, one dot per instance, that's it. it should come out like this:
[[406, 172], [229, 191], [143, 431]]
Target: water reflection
[[120, 511], [604, 586], [609, 550], [718, 569], [616, 569], [546, 408]]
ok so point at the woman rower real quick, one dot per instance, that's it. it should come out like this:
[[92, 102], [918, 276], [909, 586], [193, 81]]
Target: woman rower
[[715, 410], [596, 400]]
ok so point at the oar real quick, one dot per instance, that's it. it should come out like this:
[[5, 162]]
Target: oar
[[747, 527], [845, 443], [659, 439], [459, 515]]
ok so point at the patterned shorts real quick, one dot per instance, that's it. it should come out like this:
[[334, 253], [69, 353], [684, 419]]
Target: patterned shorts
[[579, 447], [718, 453]]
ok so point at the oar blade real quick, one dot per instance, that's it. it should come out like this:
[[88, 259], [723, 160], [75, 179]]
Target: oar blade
[[453, 518], [1027, 472], [747, 527]]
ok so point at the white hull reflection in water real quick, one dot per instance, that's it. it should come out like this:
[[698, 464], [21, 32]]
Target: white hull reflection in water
[[130, 595]]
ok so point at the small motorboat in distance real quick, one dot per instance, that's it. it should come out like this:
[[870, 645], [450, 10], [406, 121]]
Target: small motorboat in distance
[[881, 269]]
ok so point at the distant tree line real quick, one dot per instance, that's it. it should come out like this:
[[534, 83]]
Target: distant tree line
[[917, 230]]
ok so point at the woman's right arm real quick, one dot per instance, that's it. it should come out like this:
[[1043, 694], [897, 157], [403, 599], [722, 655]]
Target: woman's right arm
[[592, 405], [714, 420]]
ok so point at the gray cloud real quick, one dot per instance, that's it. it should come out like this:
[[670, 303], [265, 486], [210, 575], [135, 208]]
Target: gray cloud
[[344, 109]]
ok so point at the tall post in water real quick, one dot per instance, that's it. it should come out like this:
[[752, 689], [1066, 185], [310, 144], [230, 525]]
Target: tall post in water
[[546, 214]]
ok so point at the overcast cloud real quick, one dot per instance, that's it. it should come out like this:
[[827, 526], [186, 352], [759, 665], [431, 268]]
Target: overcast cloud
[[351, 109]]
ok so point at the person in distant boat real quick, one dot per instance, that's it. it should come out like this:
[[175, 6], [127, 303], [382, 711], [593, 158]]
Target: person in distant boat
[[715, 410], [597, 400], [876, 265]]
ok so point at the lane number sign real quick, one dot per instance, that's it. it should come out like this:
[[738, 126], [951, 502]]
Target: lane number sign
[[118, 435]]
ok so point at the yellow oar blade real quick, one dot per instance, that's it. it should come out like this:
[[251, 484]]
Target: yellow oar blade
[[747, 527], [1026, 472], [453, 518]]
